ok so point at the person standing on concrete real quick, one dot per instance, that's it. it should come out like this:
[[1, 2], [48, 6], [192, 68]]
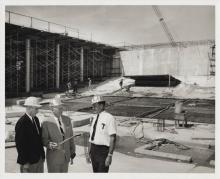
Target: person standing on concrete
[[57, 137], [69, 90], [102, 137], [28, 141], [89, 84], [121, 83], [75, 86]]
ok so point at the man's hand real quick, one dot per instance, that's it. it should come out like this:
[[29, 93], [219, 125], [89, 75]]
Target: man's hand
[[108, 161], [88, 159], [53, 145], [73, 155], [25, 167]]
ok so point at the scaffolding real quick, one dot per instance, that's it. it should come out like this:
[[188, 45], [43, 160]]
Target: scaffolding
[[212, 61], [54, 60], [15, 65]]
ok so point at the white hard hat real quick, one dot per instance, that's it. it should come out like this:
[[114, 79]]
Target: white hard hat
[[97, 99], [32, 101], [56, 102]]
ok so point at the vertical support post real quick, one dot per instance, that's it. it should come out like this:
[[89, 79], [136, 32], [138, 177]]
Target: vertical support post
[[31, 22], [93, 64], [169, 81], [81, 64], [32, 68], [48, 26], [58, 67], [27, 65], [46, 64], [68, 62], [9, 17]]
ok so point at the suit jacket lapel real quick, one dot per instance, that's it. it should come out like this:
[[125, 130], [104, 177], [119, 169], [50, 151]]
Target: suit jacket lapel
[[54, 120], [30, 121], [64, 124]]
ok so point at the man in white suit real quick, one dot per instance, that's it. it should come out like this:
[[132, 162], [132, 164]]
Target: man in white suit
[[55, 130]]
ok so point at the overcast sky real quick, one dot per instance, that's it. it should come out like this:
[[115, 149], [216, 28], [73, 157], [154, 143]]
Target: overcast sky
[[132, 24]]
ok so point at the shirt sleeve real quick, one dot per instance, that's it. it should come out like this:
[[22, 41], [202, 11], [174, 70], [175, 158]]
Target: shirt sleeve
[[112, 126]]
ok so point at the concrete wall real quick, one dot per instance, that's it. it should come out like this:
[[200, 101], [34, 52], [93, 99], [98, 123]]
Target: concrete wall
[[182, 62]]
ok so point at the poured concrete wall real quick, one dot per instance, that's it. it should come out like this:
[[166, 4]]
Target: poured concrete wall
[[181, 62]]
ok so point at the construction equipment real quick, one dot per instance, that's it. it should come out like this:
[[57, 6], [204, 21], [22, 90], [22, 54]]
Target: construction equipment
[[164, 25], [212, 61]]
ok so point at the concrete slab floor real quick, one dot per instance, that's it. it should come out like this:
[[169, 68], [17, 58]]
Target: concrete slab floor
[[127, 142], [121, 163]]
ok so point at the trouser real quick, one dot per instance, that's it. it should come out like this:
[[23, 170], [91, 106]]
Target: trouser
[[75, 89], [58, 168], [33, 168], [98, 155]]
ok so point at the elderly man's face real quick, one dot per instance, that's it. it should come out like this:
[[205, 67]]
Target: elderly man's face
[[32, 110], [98, 107], [57, 110]]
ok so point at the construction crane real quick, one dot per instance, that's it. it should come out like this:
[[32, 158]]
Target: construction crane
[[166, 30], [164, 25]]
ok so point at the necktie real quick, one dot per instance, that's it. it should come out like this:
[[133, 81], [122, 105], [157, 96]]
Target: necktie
[[94, 128], [61, 129], [35, 124]]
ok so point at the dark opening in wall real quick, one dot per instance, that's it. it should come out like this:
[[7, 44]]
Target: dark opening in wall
[[155, 80]]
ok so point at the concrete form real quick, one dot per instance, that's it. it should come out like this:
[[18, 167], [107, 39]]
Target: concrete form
[[183, 62]]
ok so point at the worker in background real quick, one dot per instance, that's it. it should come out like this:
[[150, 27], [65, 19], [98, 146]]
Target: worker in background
[[121, 83], [69, 91], [89, 84], [102, 137], [57, 137], [75, 86], [29, 146]]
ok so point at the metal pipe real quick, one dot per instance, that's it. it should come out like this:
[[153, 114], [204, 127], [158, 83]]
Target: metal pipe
[[28, 65], [81, 64], [58, 67]]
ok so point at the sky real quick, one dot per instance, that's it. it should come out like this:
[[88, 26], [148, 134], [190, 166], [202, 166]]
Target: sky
[[132, 24]]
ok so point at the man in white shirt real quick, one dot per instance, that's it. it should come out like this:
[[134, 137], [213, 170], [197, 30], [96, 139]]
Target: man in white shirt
[[102, 137]]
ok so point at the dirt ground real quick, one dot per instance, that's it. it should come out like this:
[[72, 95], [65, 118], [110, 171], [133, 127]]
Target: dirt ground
[[128, 108]]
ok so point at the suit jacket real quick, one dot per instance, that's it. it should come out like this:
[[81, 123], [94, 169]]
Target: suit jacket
[[28, 142], [51, 133]]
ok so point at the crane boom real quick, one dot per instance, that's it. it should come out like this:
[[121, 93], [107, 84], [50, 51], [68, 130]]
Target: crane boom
[[164, 25]]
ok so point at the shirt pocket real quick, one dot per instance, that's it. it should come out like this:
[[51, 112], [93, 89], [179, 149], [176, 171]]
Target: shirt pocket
[[103, 128]]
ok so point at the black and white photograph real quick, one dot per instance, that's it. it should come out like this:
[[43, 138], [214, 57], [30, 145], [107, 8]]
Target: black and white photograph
[[110, 88]]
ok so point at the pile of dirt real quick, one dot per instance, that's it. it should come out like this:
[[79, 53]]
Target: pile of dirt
[[110, 86]]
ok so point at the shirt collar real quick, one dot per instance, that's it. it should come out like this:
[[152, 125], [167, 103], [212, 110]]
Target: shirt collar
[[31, 118], [60, 118]]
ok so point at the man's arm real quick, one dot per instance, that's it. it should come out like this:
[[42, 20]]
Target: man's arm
[[45, 135], [87, 153], [21, 145], [112, 144], [108, 160], [72, 143]]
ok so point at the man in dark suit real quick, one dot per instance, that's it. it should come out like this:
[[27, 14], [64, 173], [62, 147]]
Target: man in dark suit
[[28, 141]]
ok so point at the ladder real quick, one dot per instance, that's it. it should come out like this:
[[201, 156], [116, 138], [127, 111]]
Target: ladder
[[212, 61]]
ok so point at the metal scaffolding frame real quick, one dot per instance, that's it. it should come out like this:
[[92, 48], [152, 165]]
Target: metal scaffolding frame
[[15, 66], [95, 60], [70, 62], [43, 65]]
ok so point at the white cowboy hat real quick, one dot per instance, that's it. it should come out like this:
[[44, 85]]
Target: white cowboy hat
[[32, 101], [56, 102], [97, 99]]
